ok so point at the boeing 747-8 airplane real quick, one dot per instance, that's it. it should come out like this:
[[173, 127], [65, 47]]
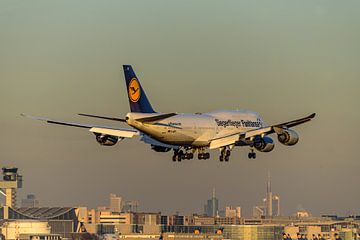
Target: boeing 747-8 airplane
[[188, 134]]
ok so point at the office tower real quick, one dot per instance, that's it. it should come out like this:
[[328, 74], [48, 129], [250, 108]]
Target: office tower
[[115, 203], [131, 206], [233, 212]]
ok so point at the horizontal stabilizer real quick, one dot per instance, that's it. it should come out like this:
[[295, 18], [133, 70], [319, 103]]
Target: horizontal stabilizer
[[107, 130], [102, 117], [156, 118]]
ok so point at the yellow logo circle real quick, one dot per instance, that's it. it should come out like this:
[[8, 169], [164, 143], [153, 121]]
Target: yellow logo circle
[[134, 90]]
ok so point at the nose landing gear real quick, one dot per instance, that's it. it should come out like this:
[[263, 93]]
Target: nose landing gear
[[251, 154]]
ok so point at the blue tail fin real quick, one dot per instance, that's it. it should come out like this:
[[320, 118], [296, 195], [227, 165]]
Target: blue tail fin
[[137, 97]]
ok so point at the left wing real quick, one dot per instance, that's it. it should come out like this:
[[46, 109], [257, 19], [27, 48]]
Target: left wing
[[277, 128], [118, 132]]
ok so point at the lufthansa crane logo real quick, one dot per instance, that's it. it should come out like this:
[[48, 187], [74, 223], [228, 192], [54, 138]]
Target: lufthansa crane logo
[[134, 90]]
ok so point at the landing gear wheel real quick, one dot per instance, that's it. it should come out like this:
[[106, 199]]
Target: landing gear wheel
[[221, 158], [227, 158], [251, 155], [174, 158]]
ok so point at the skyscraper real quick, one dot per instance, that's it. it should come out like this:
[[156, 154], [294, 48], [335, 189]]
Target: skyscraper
[[271, 203], [269, 198], [211, 208]]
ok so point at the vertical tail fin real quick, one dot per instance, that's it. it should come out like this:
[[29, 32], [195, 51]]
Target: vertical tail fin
[[137, 97]]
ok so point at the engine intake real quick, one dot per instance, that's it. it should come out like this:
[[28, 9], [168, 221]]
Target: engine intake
[[106, 140], [265, 144], [288, 137], [160, 148]]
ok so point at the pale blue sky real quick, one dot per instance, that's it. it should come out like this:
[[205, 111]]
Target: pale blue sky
[[284, 59]]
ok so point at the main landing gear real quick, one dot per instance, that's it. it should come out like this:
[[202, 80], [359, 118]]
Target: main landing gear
[[251, 154], [189, 154], [181, 155], [224, 154], [203, 155]]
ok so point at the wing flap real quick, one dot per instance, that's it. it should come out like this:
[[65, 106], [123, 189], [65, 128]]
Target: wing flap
[[224, 141]]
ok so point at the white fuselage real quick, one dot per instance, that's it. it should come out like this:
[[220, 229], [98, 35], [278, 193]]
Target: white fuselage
[[196, 130]]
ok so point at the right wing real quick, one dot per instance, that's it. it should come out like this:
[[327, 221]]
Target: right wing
[[118, 132]]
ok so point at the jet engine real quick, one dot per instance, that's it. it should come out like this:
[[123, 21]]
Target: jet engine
[[106, 140], [160, 148], [264, 144], [288, 137]]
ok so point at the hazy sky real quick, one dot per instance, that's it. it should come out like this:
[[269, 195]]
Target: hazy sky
[[284, 59]]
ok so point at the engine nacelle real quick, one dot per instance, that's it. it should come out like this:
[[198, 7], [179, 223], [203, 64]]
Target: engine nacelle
[[106, 140], [288, 137], [264, 144], [160, 148]]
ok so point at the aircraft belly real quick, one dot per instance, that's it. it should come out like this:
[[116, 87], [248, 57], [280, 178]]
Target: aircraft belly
[[181, 137]]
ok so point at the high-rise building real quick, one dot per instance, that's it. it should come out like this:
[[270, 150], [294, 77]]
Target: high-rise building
[[30, 201], [276, 205], [232, 212], [211, 208], [269, 198], [271, 203], [115, 203]]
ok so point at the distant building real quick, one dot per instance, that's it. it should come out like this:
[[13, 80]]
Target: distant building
[[211, 208], [203, 220], [258, 211], [131, 206], [115, 203], [30, 201], [231, 212], [303, 214]]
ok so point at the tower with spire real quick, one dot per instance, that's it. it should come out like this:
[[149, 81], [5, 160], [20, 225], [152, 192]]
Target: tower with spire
[[271, 203], [269, 198], [211, 208]]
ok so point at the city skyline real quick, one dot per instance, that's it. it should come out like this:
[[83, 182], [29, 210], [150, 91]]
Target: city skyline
[[213, 207], [281, 59]]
